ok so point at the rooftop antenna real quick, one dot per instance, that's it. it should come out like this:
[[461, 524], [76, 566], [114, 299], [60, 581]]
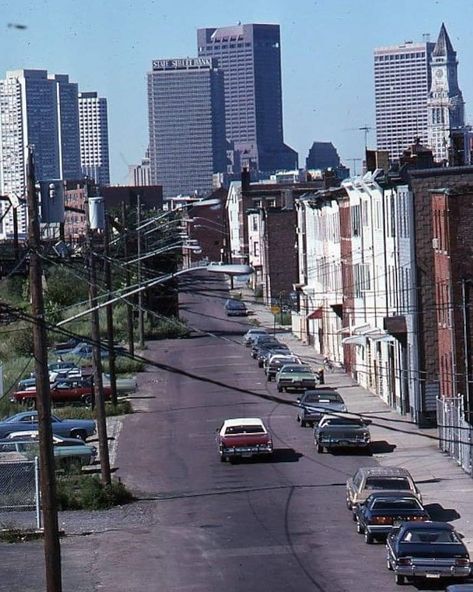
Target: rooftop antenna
[[366, 129], [354, 161]]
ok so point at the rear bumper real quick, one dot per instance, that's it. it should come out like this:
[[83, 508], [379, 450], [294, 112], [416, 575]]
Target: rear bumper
[[432, 571], [344, 443], [246, 451]]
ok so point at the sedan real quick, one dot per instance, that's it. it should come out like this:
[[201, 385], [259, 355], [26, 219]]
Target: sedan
[[276, 361], [243, 438], [314, 404], [428, 550], [261, 342], [252, 333], [295, 377], [382, 510], [63, 391], [28, 420], [265, 351]]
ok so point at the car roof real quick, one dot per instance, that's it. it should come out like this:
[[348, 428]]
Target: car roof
[[384, 472], [257, 330], [242, 421], [390, 494], [429, 525]]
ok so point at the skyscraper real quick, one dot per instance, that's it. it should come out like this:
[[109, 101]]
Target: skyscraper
[[94, 152], [39, 110], [446, 123], [250, 56], [186, 124], [402, 81]]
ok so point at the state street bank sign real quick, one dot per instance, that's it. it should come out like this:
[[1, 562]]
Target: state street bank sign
[[182, 64]]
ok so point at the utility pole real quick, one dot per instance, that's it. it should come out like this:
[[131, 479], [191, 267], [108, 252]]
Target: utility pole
[[97, 361], [52, 549], [141, 325], [129, 307], [109, 308]]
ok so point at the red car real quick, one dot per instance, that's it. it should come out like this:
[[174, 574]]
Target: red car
[[243, 438], [64, 391]]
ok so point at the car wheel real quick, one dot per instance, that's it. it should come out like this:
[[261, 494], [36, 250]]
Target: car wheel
[[223, 458], [79, 434], [368, 538], [359, 528], [87, 400], [353, 516], [260, 364], [279, 389], [29, 403], [399, 579], [268, 378], [388, 564], [303, 423], [348, 503], [320, 448]]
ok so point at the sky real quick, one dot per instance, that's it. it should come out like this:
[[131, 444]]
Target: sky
[[326, 56]]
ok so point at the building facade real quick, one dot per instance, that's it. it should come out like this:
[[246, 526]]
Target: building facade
[[402, 81], [250, 57], [140, 174], [40, 110], [94, 148], [186, 125]]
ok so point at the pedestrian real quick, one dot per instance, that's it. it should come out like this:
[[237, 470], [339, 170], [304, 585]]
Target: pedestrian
[[321, 376], [59, 359]]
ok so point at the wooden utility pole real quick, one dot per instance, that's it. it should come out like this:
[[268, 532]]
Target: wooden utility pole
[[52, 549], [97, 362], [110, 333], [129, 307]]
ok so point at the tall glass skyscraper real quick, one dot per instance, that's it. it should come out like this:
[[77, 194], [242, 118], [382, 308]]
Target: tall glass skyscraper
[[39, 110], [186, 125], [250, 57]]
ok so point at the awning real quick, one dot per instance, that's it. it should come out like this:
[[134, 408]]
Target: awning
[[360, 328], [343, 330], [384, 338], [315, 314], [354, 340]]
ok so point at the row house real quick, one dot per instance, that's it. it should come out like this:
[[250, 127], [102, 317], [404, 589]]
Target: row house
[[318, 319], [261, 226]]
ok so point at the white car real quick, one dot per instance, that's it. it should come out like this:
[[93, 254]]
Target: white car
[[252, 333]]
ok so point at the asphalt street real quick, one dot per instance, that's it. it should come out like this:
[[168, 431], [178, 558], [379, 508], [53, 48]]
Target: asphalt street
[[205, 526]]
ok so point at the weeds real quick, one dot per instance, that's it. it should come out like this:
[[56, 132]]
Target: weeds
[[86, 492]]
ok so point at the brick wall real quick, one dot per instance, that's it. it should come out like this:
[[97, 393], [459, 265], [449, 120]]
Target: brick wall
[[347, 278], [282, 260]]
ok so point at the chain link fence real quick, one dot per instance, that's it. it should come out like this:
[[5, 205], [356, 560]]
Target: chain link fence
[[19, 492], [455, 434]]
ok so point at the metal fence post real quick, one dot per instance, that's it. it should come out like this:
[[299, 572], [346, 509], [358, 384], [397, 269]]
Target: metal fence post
[[37, 493]]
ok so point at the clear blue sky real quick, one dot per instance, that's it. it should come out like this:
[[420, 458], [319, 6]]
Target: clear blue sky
[[327, 48]]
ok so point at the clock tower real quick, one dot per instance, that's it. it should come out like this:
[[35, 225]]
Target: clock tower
[[447, 134]]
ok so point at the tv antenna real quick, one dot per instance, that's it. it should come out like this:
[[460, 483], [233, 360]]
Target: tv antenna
[[354, 161]]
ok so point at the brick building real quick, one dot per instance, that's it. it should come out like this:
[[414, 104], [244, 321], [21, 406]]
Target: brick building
[[452, 246], [422, 183]]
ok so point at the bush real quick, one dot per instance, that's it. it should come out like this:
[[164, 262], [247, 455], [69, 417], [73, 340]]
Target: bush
[[63, 287], [20, 341], [166, 328], [123, 407], [86, 492]]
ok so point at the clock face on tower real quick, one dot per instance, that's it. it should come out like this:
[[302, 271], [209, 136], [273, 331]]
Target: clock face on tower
[[439, 73]]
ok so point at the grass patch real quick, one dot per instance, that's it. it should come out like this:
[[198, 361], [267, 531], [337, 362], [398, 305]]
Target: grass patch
[[121, 408], [166, 328], [14, 534], [86, 492]]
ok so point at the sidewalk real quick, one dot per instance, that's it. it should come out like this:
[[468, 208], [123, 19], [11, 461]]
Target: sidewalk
[[446, 489]]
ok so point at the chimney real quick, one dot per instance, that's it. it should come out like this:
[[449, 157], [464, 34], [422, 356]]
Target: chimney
[[245, 179]]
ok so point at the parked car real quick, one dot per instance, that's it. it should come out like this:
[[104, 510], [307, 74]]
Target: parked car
[[334, 432], [65, 346], [243, 438], [269, 349], [124, 384], [260, 341], [382, 510], [367, 480], [427, 550], [28, 420], [297, 377], [85, 350], [252, 333], [68, 452], [276, 361], [235, 308], [314, 404], [72, 390]]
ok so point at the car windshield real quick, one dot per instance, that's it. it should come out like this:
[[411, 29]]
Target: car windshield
[[399, 483], [430, 536], [236, 304], [244, 429], [323, 398], [296, 368], [396, 504]]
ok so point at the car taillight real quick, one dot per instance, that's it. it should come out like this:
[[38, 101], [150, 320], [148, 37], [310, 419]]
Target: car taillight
[[404, 561], [462, 562], [418, 518], [381, 520]]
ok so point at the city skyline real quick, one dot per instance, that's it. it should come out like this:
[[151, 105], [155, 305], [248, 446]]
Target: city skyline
[[326, 55]]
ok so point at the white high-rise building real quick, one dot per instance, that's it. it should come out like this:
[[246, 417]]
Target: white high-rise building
[[402, 80], [94, 149], [41, 111]]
